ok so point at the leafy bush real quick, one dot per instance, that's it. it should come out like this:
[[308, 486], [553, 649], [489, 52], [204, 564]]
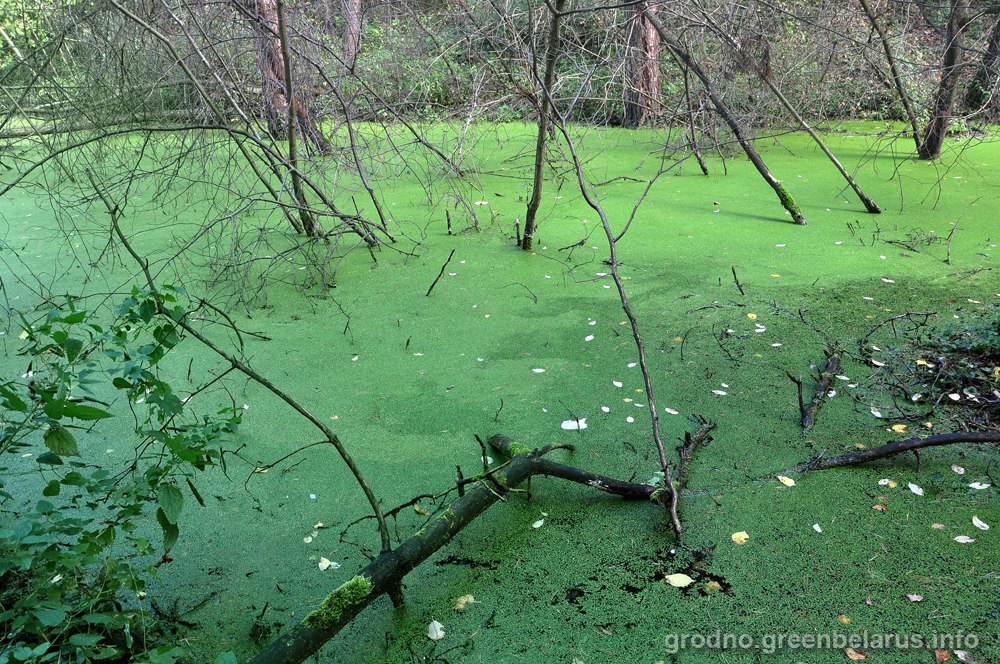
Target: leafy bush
[[74, 562]]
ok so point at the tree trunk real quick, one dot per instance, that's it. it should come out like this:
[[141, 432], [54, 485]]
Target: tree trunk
[[944, 100], [263, 15], [352, 32], [544, 124], [897, 79], [784, 196], [981, 95], [642, 92]]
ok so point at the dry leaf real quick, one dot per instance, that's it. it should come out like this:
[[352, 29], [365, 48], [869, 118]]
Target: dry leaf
[[420, 510], [679, 580], [941, 656], [435, 631], [914, 597], [462, 602], [962, 539], [979, 523], [958, 469], [752, 316], [880, 508], [844, 619], [740, 537], [855, 655], [787, 481], [937, 526], [325, 564], [713, 586], [899, 428]]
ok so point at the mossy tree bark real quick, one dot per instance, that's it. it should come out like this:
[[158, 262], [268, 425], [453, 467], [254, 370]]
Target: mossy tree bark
[[544, 123], [384, 574], [685, 56]]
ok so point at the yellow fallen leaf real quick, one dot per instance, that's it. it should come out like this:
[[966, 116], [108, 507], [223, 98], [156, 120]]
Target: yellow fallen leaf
[[859, 446], [775, 275], [921, 363], [463, 602], [844, 619], [741, 537], [420, 510], [787, 481], [937, 526], [678, 339], [713, 586], [679, 580], [893, 484], [752, 316], [855, 655], [899, 428]]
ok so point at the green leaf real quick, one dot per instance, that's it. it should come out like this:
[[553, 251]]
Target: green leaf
[[52, 489], [85, 639], [171, 501], [49, 459], [226, 658], [74, 318], [72, 346], [11, 400], [60, 441], [81, 412], [194, 492], [49, 617], [170, 531]]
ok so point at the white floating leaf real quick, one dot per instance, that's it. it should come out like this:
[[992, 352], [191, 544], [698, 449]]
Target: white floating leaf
[[589, 337], [724, 384], [963, 539], [539, 370], [915, 488], [787, 481], [631, 365], [888, 281], [671, 411], [630, 419], [538, 524], [876, 412], [575, 425], [605, 409], [913, 597], [325, 564], [979, 486], [958, 469], [719, 392], [817, 528], [679, 580], [307, 539], [979, 523], [616, 383], [884, 481], [435, 631], [954, 397], [843, 377], [878, 364]]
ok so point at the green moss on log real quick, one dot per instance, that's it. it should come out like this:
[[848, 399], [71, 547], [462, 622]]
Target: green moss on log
[[333, 607], [516, 449]]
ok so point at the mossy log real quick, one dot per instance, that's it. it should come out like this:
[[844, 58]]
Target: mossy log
[[384, 574]]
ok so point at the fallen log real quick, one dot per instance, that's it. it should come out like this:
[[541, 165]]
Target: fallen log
[[385, 574], [900, 446]]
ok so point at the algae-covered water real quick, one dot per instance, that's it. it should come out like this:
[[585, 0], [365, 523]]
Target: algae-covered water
[[516, 343]]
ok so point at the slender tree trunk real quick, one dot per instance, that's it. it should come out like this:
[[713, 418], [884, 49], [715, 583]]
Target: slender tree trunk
[[784, 196], [352, 32], [544, 123], [944, 100], [271, 61], [869, 204], [981, 95], [642, 93], [897, 79]]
